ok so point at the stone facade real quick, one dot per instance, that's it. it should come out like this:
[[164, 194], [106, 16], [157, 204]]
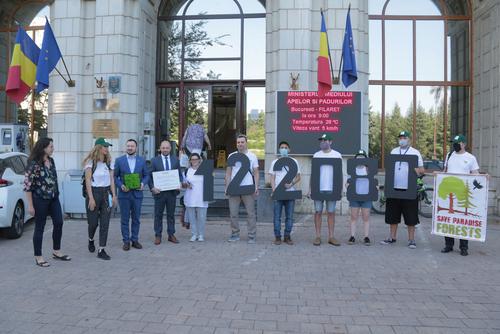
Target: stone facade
[[98, 39], [293, 29], [486, 116]]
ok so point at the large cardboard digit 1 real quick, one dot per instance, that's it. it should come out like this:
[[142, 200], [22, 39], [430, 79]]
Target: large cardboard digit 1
[[372, 167], [334, 195], [235, 188], [392, 162], [280, 193], [206, 169]]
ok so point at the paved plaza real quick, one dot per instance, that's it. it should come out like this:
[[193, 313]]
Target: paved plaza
[[216, 287]]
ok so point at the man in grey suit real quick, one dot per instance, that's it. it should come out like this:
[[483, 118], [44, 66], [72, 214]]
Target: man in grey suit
[[165, 161]]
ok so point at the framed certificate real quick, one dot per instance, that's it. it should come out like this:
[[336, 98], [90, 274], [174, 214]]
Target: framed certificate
[[132, 181], [167, 180]]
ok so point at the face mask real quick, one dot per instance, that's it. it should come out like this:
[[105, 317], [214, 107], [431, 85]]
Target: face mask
[[284, 152], [324, 145], [457, 147], [403, 142]]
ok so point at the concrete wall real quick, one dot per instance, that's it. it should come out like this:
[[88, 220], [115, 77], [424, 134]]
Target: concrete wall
[[293, 30], [486, 116], [98, 39]]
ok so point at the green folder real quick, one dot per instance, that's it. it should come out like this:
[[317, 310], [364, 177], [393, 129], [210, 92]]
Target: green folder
[[132, 181]]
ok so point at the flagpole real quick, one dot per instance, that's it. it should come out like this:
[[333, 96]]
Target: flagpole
[[342, 54], [70, 82], [67, 82], [329, 53]]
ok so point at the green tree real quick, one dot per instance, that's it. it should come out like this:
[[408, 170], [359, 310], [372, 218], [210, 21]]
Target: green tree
[[196, 39], [256, 135], [466, 201], [374, 120], [40, 107], [452, 187]]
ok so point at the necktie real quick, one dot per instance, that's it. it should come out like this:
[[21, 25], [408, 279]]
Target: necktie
[[166, 164]]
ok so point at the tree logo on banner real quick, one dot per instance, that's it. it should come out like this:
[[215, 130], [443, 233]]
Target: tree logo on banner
[[456, 190]]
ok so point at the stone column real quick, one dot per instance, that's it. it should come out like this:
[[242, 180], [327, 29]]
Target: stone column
[[103, 38], [293, 30], [486, 92]]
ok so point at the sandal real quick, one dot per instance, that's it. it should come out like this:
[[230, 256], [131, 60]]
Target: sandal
[[43, 264], [62, 258]]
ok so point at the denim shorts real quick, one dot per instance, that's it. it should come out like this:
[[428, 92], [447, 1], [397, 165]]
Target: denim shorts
[[330, 206], [360, 204]]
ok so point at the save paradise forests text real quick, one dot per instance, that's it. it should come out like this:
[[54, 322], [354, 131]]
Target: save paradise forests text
[[317, 114]]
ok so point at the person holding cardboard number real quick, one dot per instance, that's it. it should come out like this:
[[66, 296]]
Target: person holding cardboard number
[[395, 207], [251, 177]]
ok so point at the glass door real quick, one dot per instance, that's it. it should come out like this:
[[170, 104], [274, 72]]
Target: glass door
[[224, 125]]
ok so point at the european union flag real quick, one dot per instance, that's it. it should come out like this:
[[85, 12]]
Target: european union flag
[[49, 56], [349, 72]]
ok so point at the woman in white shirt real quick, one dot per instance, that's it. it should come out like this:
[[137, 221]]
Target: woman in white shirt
[[196, 207], [99, 184]]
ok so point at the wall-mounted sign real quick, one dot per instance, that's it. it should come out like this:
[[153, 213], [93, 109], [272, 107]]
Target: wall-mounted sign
[[114, 84], [106, 128], [63, 102], [303, 116]]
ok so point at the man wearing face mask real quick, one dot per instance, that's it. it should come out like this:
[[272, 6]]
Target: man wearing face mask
[[130, 200], [462, 162], [326, 185], [395, 207], [289, 205]]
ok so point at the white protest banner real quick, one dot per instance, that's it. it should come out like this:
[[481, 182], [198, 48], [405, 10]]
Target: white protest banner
[[460, 206]]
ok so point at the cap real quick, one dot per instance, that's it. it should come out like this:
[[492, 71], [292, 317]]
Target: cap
[[102, 141], [459, 139], [326, 136], [404, 134], [361, 152]]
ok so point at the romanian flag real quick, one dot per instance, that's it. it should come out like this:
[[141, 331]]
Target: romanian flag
[[324, 73], [22, 70]]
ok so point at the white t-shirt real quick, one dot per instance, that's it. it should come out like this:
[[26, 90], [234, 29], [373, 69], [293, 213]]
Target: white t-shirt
[[461, 163], [101, 174], [193, 197], [279, 175], [326, 172], [401, 168], [362, 185], [254, 163]]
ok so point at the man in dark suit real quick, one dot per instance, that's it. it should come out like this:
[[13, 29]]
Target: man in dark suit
[[130, 200], [165, 161]]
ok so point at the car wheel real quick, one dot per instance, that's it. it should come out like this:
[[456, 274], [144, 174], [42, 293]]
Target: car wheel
[[17, 227]]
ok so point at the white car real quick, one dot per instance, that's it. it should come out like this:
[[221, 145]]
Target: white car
[[13, 204]]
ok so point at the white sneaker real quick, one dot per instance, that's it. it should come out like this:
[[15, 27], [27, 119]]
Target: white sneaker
[[193, 238], [201, 239]]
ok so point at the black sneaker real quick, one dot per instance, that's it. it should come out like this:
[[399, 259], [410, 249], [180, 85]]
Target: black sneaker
[[367, 241], [91, 246], [388, 241], [103, 255], [447, 249], [464, 252], [351, 240]]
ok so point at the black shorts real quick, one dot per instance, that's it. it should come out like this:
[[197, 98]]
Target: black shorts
[[394, 207]]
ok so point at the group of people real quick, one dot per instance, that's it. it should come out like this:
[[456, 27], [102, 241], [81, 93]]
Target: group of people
[[107, 184]]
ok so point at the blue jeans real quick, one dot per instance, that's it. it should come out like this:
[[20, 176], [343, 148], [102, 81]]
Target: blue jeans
[[130, 208], [289, 205]]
